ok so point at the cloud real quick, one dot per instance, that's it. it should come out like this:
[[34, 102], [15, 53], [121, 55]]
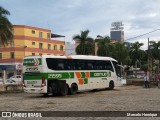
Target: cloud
[[70, 17]]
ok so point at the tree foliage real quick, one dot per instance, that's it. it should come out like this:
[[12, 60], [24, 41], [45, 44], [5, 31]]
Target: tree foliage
[[155, 49], [86, 44], [104, 46], [5, 27], [129, 54]]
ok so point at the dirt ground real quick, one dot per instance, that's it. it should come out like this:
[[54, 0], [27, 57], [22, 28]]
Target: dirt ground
[[124, 98]]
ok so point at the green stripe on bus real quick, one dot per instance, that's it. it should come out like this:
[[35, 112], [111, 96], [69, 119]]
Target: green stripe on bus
[[60, 75], [64, 75]]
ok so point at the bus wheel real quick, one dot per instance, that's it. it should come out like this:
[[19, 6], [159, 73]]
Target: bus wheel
[[64, 91], [73, 90], [111, 85]]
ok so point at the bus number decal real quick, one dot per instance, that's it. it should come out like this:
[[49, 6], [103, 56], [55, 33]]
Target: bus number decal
[[54, 75]]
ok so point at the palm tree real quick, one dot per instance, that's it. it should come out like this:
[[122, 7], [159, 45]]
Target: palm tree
[[120, 53], [86, 44], [135, 52], [155, 49], [5, 27], [104, 46]]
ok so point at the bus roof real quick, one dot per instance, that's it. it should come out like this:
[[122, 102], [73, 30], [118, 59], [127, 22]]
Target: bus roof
[[83, 57]]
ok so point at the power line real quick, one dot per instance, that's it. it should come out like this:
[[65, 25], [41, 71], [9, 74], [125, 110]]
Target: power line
[[142, 34]]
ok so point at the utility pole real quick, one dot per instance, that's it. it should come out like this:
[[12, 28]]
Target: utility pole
[[148, 59]]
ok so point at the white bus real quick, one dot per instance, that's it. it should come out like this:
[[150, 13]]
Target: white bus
[[68, 74]]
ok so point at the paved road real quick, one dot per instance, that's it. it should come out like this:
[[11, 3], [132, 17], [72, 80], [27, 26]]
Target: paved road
[[126, 98]]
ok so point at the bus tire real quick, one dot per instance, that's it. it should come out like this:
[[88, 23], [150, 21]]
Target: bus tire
[[64, 91], [53, 89], [111, 85], [73, 90]]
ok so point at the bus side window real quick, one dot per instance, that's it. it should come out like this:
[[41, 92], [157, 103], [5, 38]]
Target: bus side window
[[96, 65], [79, 68], [51, 63], [90, 65], [100, 65], [60, 66], [70, 64], [67, 65], [81, 65], [108, 65]]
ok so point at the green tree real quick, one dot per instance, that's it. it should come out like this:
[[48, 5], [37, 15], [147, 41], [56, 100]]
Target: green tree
[[104, 46], [6, 34], [121, 53], [86, 44], [136, 53], [128, 61], [155, 49]]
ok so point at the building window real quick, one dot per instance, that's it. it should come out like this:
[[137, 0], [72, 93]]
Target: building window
[[48, 35], [0, 55], [55, 47], [49, 46], [40, 34], [61, 48], [33, 31], [33, 43], [11, 43], [41, 45], [12, 55], [33, 54], [40, 54]]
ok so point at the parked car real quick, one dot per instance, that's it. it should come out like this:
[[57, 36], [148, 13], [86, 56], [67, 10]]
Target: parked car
[[131, 76], [14, 79], [140, 76]]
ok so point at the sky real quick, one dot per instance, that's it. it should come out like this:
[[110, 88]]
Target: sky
[[70, 17]]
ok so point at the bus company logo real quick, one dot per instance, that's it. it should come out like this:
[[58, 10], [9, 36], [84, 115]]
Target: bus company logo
[[54, 75], [100, 74], [32, 69]]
